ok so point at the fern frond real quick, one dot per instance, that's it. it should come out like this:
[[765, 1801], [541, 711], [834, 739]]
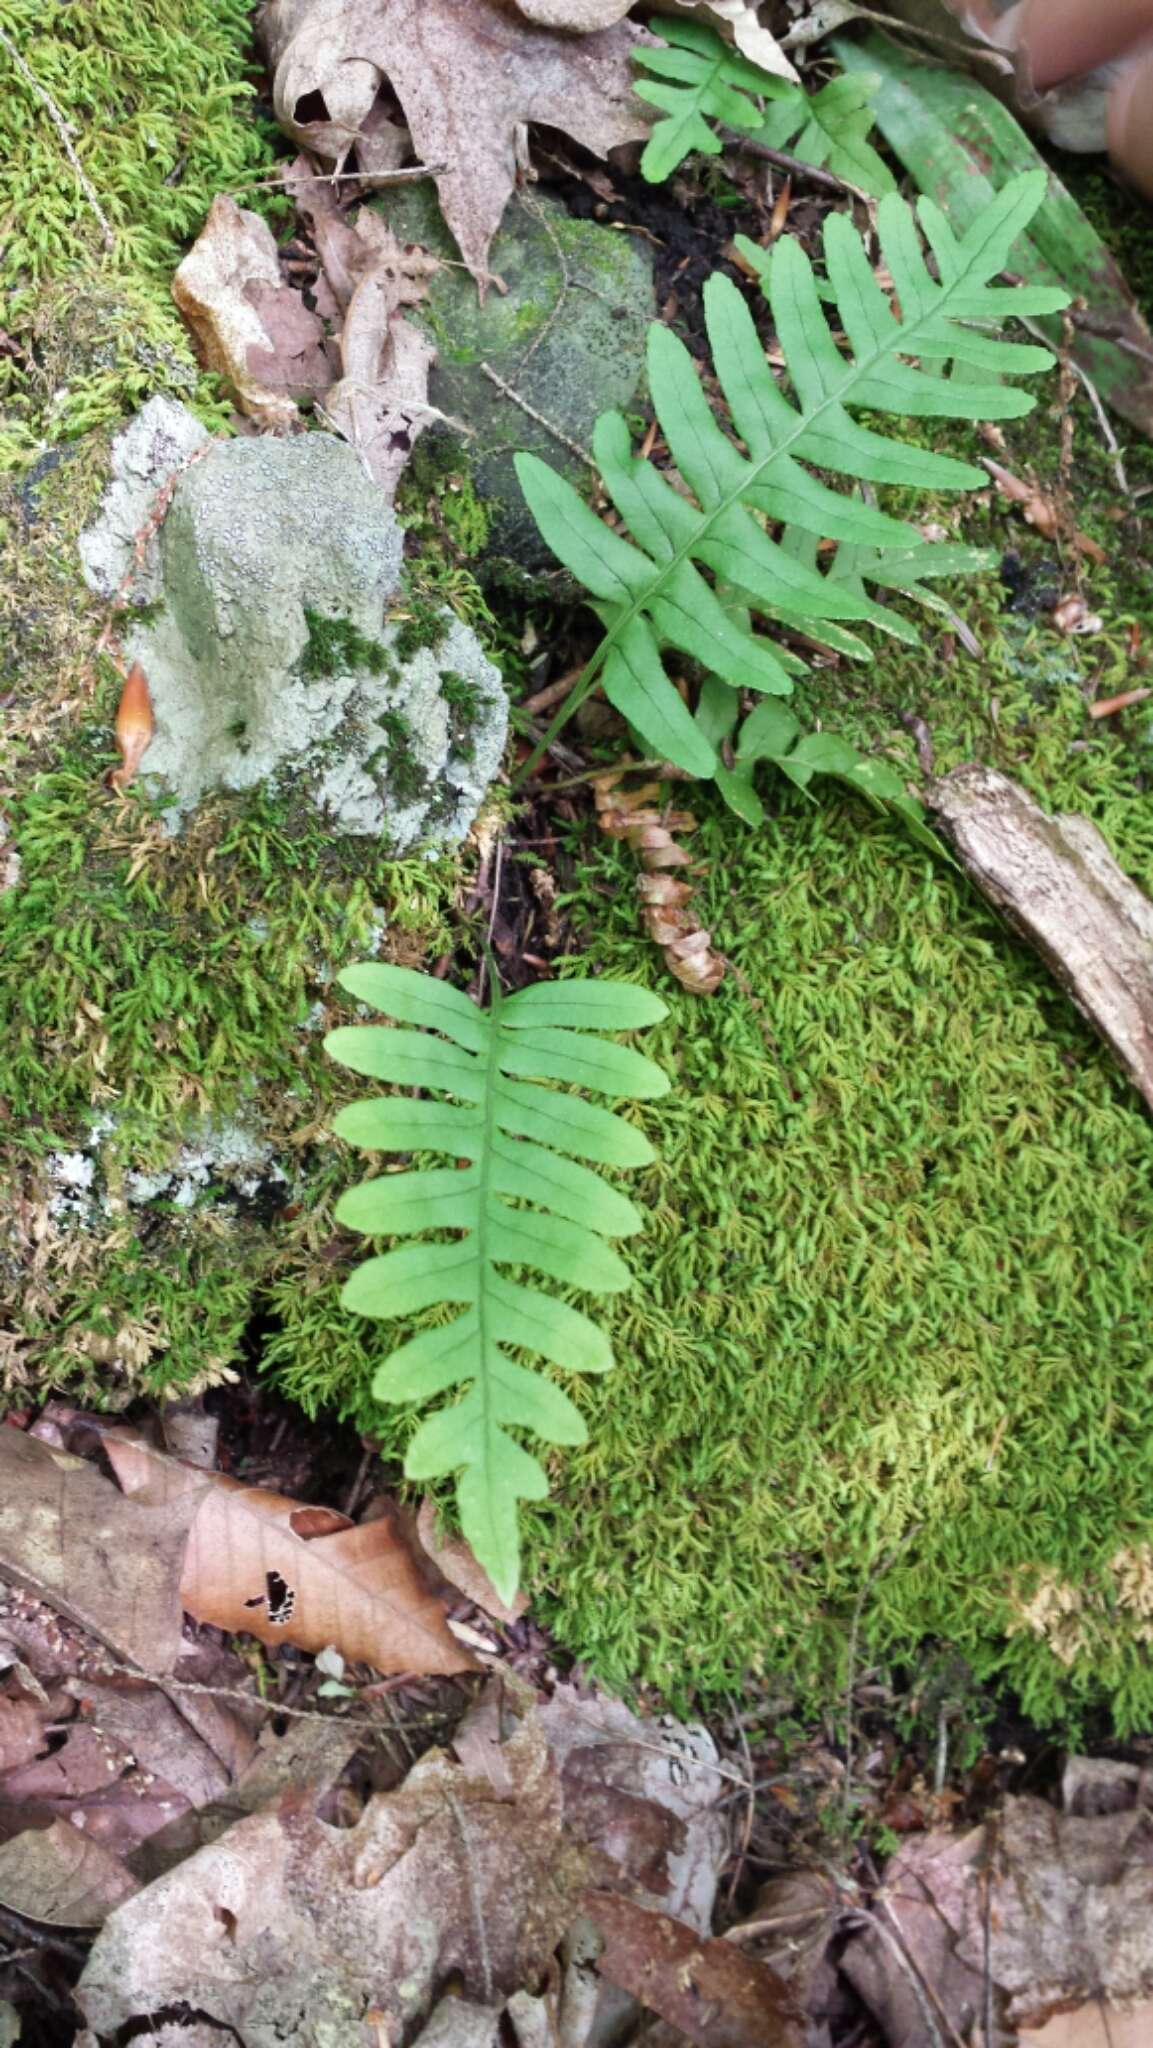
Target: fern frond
[[524, 1198], [830, 129], [698, 78], [694, 560]]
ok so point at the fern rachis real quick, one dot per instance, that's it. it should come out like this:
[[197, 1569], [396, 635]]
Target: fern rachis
[[651, 591], [523, 1144]]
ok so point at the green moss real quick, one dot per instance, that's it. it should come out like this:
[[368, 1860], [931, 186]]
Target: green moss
[[337, 647], [157, 98], [407, 780], [889, 1341], [422, 623]]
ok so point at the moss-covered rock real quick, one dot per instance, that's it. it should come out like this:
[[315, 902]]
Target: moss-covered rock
[[261, 618], [567, 336]]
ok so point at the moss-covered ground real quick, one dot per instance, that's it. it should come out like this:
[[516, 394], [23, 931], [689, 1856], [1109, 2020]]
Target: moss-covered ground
[[885, 1378]]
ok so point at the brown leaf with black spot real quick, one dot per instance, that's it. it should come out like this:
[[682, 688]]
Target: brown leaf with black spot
[[290, 1573]]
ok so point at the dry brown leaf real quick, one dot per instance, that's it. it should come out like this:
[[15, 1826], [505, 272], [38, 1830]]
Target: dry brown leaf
[[466, 77], [740, 22], [705, 1987], [22, 1734], [111, 1565], [57, 1875], [1095, 2025], [286, 1926], [247, 323], [454, 1559], [1040, 510], [1054, 1908], [288, 1573], [134, 726], [629, 815], [381, 405], [647, 1797]]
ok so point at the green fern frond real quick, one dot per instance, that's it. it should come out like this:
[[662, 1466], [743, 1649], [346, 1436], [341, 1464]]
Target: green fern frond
[[830, 129], [523, 1199], [702, 548], [698, 78]]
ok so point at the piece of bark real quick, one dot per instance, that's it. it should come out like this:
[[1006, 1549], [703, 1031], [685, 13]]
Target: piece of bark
[[1059, 885]]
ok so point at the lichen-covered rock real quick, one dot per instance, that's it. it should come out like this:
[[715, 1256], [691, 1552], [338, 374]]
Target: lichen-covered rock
[[567, 336], [277, 639]]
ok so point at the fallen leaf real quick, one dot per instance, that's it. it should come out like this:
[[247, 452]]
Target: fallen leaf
[[248, 324], [134, 726], [286, 1926], [1040, 510], [647, 1795], [740, 21], [1104, 707], [381, 405], [57, 1875], [111, 1565], [1094, 2025], [289, 1573], [22, 1734], [454, 1559], [466, 77], [1055, 1909], [705, 1987]]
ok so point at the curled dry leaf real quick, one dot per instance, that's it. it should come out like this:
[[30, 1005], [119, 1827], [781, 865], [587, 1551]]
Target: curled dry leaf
[[134, 727], [112, 1565], [629, 815], [466, 77], [381, 405], [740, 21], [454, 1559], [1040, 510], [57, 1875], [247, 323], [707, 1988], [289, 1573], [286, 1925], [22, 1733]]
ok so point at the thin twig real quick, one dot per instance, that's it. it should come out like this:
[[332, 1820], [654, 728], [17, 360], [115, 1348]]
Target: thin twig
[[538, 213], [407, 176], [996, 58], [474, 1895], [531, 412], [868, 1922], [1103, 422], [886, 1564], [794, 165], [751, 1807], [64, 130]]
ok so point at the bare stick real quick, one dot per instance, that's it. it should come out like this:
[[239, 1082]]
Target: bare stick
[[795, 165], [64, 131], [558, 433]]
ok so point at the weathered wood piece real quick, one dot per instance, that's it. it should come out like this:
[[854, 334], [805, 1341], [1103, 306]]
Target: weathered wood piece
[[1057, 882]]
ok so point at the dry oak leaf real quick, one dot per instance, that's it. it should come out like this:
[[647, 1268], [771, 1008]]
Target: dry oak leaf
[[705, 1987], [453, 1558], [22, 1734], [289, 1573], [248, 324], [381, 405], [111, 1565], [467, 73], [57, 1875], [286, 1926]]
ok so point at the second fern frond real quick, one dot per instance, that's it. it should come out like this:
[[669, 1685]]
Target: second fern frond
[[731, 546], [522, 1199]]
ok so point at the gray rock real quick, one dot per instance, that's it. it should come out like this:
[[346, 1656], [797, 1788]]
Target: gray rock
[[568, 336], [268, 653], [161, 439]]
